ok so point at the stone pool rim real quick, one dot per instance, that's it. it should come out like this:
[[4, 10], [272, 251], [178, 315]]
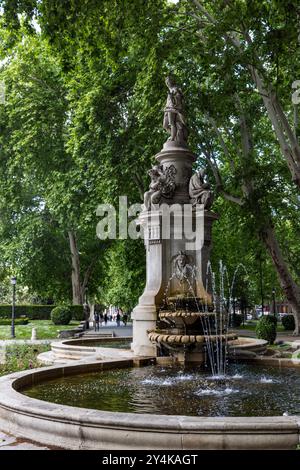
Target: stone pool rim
[[71, 427], [75, 348]]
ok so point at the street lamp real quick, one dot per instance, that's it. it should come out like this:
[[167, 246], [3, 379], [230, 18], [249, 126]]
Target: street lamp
[[233, 313], [13, 283], [86, 309], [274, 301], [261, 283]]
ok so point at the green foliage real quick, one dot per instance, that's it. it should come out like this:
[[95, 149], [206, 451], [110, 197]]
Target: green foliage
[[33, 312], [61, 315], [82, 122], [17, 321], [39, 312], [77, 312], [266, 329], [22, 356], [272, 319], [125, 274], [236, 320], [288, 322]]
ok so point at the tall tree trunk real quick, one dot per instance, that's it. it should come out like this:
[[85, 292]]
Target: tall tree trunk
[[290, 288], [76, 282], [265, 231]]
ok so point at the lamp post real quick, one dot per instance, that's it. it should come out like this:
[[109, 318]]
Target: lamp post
[[86, 309], [233, 314], [13, 283], [274, 301], [261, 283]]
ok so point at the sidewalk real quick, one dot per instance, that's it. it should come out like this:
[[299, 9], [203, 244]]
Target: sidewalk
[[8, 442], [281, 335], [111, 327]]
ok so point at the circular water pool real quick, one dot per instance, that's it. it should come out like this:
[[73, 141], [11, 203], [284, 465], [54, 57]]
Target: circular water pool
[[245, 391]]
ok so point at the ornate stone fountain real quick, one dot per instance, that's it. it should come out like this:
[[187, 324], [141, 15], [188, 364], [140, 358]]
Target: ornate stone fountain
[[175, 314]]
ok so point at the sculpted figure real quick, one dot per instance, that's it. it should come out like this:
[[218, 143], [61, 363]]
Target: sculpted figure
[[199, 190], [162, 185], [183, 272], [181, 265], [174, 120]]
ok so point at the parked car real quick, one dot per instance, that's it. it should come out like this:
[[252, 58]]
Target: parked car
[[282, 314]]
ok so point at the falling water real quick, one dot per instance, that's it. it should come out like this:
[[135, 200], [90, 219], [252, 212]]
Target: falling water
[[216, 335]]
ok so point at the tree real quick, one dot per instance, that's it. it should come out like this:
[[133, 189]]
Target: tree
[[41, 197], [104, 69], [246, 59]]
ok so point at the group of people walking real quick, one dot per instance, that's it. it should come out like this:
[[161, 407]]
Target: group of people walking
[[105, 316]]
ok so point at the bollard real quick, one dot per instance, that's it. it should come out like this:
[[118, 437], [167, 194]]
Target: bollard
[[33, 334]]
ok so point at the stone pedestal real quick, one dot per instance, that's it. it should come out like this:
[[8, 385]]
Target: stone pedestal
[[162, 248], [182, 159]]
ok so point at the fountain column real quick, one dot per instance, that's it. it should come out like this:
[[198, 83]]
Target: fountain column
[[170, 188]]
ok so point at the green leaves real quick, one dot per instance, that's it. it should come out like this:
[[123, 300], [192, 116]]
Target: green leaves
[[82, 123]]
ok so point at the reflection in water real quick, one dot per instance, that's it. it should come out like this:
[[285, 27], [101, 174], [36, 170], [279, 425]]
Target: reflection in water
[[245, 391]]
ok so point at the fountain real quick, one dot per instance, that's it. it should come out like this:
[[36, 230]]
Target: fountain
[[150, 397], [178, 314]]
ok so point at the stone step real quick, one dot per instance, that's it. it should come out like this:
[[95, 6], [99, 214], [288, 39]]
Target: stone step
[[98, 335]]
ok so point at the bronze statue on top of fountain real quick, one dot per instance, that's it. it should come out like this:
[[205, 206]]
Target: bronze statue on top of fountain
[[174, 120], [199, 190]]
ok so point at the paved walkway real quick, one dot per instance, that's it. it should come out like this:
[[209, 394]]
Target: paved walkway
[[111, 327], [8, 442]]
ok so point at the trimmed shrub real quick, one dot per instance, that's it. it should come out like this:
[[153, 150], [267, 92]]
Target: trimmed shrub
[[266, 329], [272, 319], [288, 322], [18, 321], [77, 312], [236, 320], [61, 315]]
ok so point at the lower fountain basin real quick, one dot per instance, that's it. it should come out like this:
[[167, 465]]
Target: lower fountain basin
[[246, 390], [82, 428]]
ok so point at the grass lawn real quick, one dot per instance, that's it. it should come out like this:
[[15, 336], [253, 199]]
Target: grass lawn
[[45, 329]]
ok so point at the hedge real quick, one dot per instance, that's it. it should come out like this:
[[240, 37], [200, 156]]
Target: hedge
[[288, 322], [39, 312], [18, 321]]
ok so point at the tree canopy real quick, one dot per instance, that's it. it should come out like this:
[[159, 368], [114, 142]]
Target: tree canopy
[[81, 123]]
